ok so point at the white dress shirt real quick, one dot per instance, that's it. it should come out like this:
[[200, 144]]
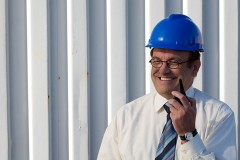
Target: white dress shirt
[[135, 131]]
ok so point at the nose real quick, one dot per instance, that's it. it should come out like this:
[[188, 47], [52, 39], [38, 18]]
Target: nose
[[164, 69]]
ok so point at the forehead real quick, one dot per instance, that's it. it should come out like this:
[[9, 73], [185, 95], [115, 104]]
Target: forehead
[[167, 53]]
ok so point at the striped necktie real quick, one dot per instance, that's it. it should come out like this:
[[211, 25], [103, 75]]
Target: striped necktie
[[168, 140]]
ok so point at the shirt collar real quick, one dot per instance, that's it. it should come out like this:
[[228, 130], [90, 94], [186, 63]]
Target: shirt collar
[[159, 101]]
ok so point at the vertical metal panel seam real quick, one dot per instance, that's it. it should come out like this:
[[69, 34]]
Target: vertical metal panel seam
[[4, 147], [8, 84], [98, 74], [211, 41], [17, 73], [50, 144]]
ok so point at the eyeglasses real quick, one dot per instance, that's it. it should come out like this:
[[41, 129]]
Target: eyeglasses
[[157, 63]]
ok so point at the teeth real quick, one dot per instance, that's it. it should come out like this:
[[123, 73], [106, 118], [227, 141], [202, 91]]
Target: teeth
[[166, 79]]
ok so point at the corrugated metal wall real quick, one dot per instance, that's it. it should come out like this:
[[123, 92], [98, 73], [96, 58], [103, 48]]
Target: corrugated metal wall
[[66, 66]]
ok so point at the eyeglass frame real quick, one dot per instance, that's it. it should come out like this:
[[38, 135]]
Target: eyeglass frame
[[170, 61]]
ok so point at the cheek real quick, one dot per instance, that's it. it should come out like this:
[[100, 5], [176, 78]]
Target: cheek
[[187, 77], [189, 73], [154, 71]]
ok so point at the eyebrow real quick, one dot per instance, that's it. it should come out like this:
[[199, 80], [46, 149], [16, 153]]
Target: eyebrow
[[171, 59]]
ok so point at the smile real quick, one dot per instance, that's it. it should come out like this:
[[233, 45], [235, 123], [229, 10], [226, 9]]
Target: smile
[[166, 79]]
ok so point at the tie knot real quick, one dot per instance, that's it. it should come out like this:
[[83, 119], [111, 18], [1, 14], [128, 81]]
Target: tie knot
[[166, 108]]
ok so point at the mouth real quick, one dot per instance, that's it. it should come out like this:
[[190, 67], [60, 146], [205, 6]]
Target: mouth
[[166, 78]]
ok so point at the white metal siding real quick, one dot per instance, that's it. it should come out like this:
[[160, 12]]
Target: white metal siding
[[66, 66]]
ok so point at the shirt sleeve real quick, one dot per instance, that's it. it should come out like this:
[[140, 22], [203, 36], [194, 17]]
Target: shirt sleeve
[[109, 147], [219, 143], [195, 149]]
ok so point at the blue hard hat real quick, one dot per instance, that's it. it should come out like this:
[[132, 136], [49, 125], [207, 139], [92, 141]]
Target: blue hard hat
[[176, 32]]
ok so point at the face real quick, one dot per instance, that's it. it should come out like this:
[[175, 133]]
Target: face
[[166, 79]]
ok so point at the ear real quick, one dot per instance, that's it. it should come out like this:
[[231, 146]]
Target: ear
[[195, 67]]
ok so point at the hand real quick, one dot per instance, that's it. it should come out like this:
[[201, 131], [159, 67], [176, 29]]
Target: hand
[[183, 116]]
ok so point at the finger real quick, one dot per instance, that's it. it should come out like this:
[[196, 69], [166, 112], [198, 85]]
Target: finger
[[173, 109], [184, 100], [175, 105], [192, 102]]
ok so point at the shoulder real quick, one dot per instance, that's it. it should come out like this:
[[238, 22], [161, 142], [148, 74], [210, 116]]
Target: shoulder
[[138, 103], [129, 114], [211, 105]]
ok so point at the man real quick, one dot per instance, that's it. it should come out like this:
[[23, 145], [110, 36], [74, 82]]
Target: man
[[197, 125]]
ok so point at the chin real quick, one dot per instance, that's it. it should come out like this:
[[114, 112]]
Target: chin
[[166, 93]]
